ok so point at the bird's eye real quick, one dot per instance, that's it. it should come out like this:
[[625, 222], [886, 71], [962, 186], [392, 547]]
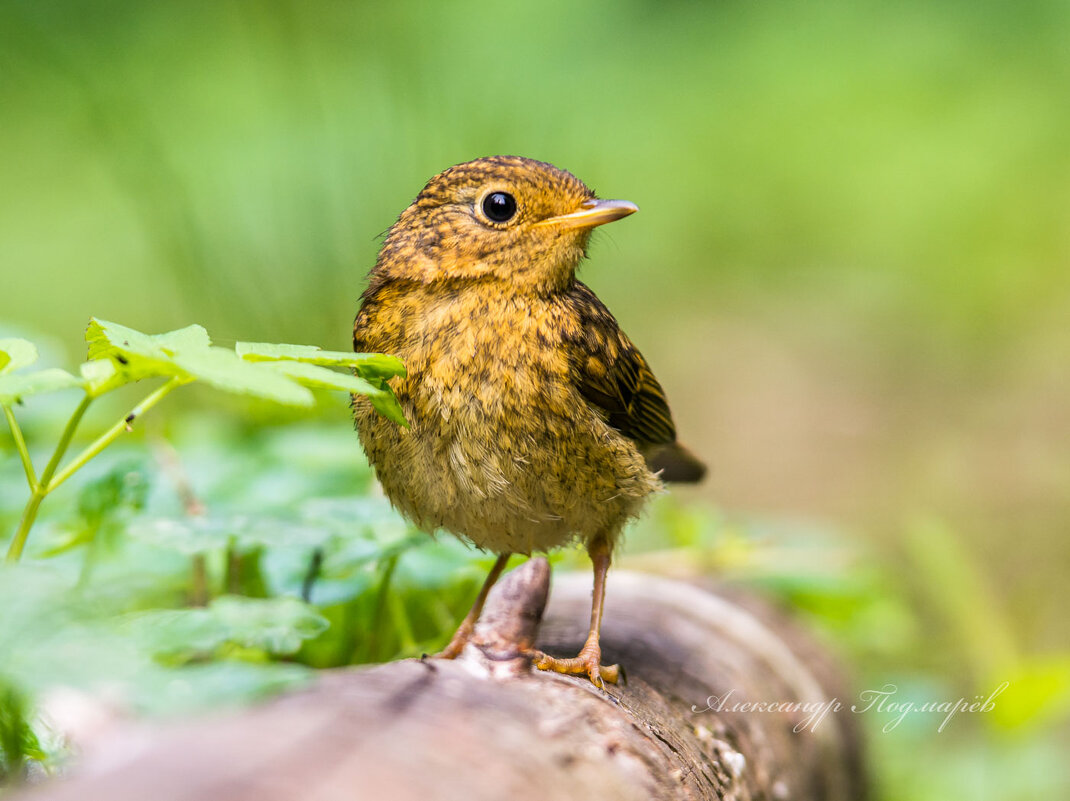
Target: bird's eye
[[499, 206]]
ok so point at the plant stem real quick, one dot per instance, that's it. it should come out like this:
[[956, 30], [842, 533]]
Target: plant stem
[[378, 629], [313, 572], [199, 591], [49, 479], [112, 434], [232, 580], [61, 447], [42, 488], [29, 514], [20, 446]]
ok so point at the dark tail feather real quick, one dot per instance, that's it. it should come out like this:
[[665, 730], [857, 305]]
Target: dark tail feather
[[676, 463]]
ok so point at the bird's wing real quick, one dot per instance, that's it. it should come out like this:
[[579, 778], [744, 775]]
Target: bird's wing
[[614, 376]]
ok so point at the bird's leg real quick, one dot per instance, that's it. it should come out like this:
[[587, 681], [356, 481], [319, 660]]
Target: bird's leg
[[589, 660], [464, 631]]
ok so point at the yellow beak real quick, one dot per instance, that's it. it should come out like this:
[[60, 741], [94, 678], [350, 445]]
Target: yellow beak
[[591, 213]]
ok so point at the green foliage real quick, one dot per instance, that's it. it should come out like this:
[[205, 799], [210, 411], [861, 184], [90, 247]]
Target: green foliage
[[304, 567], [372, 365], [18, 742], [119, 356], [14, 388], [178, 594], [954, 587], [131, 625], [273, 625], [875, 187], [18, 353]]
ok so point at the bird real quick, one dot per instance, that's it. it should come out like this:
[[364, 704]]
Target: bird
[[534, 422]]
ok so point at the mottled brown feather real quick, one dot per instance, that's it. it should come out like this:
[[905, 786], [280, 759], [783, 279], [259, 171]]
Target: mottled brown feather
[[613, 375], [533, 419]]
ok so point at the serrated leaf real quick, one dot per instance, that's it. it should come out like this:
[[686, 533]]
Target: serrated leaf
[[368, 364], [134, 355], [191, 337], [14, 388], [16, 353], [106, 338], [223, 369]]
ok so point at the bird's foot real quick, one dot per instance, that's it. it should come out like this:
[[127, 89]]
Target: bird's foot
[[589, 661]]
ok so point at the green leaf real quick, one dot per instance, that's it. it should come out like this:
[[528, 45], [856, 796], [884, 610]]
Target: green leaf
[[174, 632], [17, 740], [387, 405], [199, 534], [276, 625], [134, 355], [190, 337], [187, 353], [16, 353], [124, 486], [187, 535], [376, 365], [310, 375], [106, 339], [224, 370], [14, 388], [100, 375]]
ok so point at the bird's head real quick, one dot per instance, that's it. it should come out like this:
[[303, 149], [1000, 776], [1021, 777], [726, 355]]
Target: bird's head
[[504, 218]]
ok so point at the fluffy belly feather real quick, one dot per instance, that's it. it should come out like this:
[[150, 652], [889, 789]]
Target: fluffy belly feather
[[503, 451]]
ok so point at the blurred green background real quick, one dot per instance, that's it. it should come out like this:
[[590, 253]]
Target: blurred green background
[[851, 270]]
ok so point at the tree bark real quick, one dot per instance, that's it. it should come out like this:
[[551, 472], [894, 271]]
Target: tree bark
[[486, 726]]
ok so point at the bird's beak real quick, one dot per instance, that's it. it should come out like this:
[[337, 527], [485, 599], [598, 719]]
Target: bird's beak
[[592, 212]]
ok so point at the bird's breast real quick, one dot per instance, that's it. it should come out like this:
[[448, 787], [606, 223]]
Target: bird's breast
[[501, 441], [498, 357]]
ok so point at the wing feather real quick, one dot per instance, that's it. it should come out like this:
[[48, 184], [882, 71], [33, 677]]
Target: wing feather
[[614, 376]]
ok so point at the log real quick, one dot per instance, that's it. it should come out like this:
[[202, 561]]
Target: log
[[487, 726]]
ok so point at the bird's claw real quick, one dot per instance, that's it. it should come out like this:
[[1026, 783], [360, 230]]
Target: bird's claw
[[589, 662]]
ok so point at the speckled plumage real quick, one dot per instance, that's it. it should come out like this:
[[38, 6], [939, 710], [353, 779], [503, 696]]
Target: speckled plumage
[[530, 410]]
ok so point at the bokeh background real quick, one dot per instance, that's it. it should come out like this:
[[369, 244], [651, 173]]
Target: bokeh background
[[851, 270]]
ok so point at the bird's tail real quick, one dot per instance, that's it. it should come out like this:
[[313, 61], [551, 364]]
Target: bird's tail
[[675, 463]]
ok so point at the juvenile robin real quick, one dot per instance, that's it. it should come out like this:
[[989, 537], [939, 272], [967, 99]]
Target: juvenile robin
[[533, 420]]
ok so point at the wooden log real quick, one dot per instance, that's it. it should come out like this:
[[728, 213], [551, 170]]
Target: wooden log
[[486, 726]]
